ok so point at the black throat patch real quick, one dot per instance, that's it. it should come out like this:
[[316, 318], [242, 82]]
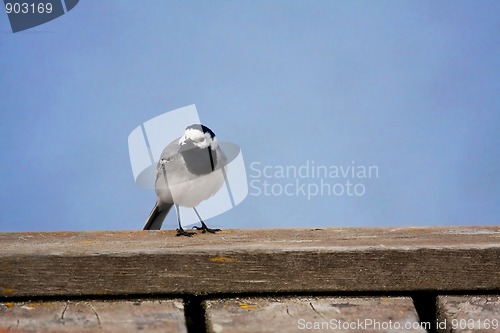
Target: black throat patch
[[200, 161]]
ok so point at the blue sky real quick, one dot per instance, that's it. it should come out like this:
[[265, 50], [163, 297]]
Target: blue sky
[[410, 87]]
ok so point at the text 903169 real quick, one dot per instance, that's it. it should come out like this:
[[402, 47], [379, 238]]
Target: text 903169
[[28, 8]]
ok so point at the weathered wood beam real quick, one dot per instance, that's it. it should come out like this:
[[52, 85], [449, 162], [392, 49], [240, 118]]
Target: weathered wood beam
[[313, 314], [93, 316], [250, 261]]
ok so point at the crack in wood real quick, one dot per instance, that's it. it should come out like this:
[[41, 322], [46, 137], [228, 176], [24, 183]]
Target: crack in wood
[[95, 313], [63, 312], [312, 307]]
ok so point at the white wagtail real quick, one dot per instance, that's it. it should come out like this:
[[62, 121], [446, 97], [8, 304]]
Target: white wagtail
[[189, 171]]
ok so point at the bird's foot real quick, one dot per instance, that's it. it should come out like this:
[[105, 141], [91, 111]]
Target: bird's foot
[[205, 229], [182, 232]]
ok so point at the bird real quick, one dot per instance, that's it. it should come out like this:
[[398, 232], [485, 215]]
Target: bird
[[191, 169]]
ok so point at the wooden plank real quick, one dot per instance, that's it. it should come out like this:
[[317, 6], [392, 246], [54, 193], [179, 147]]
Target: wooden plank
[[82, 316], [469, 314], [299, 314], [278, 260]]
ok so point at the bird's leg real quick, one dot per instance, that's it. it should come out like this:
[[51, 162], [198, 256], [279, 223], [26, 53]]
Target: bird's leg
[[180, 230], [203, 227]]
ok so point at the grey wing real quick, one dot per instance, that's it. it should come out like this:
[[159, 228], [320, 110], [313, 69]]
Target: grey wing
[[169, 152], [164, 202], [166, 167]]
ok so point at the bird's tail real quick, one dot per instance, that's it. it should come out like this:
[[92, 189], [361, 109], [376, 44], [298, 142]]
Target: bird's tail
[[156, 218]]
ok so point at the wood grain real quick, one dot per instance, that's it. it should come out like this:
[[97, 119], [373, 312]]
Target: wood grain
[[241, 261], [92, 316], [312, 314], [460, 314]]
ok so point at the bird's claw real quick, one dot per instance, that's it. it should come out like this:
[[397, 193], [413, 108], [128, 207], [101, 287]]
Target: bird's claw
[[205, 229], [182, 232]]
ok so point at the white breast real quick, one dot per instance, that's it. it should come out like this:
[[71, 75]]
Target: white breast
[[191, 193]]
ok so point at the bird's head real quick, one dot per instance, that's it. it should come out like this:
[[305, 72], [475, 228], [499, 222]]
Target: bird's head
[[199, 136]]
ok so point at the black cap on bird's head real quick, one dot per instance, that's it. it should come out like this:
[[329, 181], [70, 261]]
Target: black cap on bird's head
[[202, 128]]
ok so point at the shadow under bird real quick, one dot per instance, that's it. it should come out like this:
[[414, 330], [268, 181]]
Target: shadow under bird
[[190, 170]]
